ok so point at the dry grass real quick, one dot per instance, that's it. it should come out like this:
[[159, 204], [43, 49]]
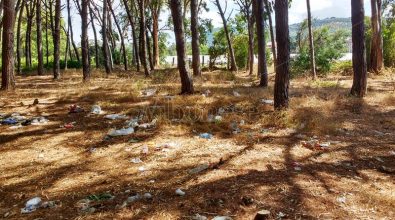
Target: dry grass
[[259, 162]]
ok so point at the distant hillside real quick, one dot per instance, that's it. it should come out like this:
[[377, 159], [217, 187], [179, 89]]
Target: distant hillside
[[333, 23]]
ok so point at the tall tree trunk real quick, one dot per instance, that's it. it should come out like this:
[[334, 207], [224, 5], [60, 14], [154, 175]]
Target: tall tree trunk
[[250, 25], [71, 32], [143, 43], [195, 38], [233, 66], [359, 86], [84, 41], [7, 61], [46, 35], [376, 48], [95, 38], [274, 52], [283, 48], [29, 15], [67, 48], [134, 38], [56, 40], [260, 29], [149, 51], [106, 52], [125, 59], [40, 67], [19, 39], [186, 79], [311, 41], [155, 32]]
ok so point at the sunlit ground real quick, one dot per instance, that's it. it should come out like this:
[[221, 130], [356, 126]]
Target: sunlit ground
[[265, 166]]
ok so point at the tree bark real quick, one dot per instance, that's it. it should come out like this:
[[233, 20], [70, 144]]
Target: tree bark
[[125, 59], [376, 49], [281, 86], [95, 38], [359, 86], [178, 22], [19, 39], [274, 52], [149, 51], [7, 61], [106, 52], [56, 40], [311, 41], [195, 38], [71, 32], [233, 66], [134, 37], [155, 13], [40, 67], [46, 34], [143, 43], [84, 41], [260, 29]]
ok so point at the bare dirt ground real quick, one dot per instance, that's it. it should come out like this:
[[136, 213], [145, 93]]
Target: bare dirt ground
[[265, 166]]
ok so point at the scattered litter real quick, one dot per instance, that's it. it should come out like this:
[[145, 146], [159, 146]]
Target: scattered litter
[[281, 215], [199, 217], [136, 160], [262, 214], [9, 121], [41, 156], [16, 127], [222, 218], [341, 199], [297, 166], [39, 121], [51, 204], [75, 109], [84, 205], [179, 192], [267, 101], [392, 153], [142, 169], [315, 144], [388, 170], [144, 149], [134, 140], [18, 117], [236, 94], [31, 205], [206, 136], [242, 123], [150, 125], [69, 125], [217, 119], [165, 147], [221, 111], [199, 168], [120, 132], [96, 109], [134, 198], [148, 92], [115, 116], [235, 128], [152, 181], [132, 123], [206, 93], [147, 196]]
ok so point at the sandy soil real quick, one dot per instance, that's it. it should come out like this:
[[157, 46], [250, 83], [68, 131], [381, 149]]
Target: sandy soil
[[265, 166]]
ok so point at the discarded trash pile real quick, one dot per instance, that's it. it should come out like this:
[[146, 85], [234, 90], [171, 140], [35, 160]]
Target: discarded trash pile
[[18, 121]]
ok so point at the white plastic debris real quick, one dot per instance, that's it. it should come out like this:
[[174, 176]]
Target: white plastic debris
[[281, 215], [39, 121], [199, 217], [179, 192], [341, 199], [144, 149], [14, 127], [148, 92], [120, 132], [31, 205], [142, 169], [218, 118], [96, 109], [134, 198], [132, 123], [115, 116], [147, 196], [267, 101], [148, 125], [136, 160], [222, 218], [236, 94]]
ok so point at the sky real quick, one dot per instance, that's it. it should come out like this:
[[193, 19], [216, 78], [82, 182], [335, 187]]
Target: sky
[[297, 13]]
